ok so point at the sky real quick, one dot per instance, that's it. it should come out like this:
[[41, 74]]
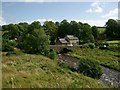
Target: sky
[[91, 12]]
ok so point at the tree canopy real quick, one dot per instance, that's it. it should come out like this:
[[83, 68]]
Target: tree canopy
[[113, 29], [35, 38]]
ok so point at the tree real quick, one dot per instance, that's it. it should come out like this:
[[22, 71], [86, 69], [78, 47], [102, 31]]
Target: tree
[[75, 27], [64, 29], [13, 31], [86, 34], [51, 30], [37, 42], [24, 25], [112, 30], [34, 25], [5, 28], [95, 32]]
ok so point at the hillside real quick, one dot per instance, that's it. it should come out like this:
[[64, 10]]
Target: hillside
[[37, 71]]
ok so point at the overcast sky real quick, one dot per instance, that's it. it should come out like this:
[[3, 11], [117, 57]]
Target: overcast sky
[[94, 13]]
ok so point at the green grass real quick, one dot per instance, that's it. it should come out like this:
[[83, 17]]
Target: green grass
[[104, 57], [113, 42], [37, 71], [101, 30]]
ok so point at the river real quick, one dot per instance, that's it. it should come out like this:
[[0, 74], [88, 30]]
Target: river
[[109, 77]]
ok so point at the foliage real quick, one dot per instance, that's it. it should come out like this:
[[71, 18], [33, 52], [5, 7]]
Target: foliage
[[88, 45], [53, 55], [7, 47], [106, 57], [92, 45], [51, 30], [113, 29], [90, 68], [87, 34], [101, 29], [37, 42], [13, 53], [80, 30], [95, 32], [31, 38]]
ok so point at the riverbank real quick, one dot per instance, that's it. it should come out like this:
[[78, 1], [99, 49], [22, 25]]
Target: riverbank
[[109, 77]]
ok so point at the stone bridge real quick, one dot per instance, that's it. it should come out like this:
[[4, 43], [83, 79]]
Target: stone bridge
[[57, 48]]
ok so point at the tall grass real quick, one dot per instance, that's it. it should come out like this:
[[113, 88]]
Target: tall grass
[[36, 71]]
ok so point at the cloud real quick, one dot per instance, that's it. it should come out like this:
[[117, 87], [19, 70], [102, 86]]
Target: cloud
[[112, 14], [119, 13], [95, 22], [95, 8], [91, 22], [40, 20], [2, 21]]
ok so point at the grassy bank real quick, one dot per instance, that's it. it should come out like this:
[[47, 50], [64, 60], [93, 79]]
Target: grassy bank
[[104, 57], [36, 71]]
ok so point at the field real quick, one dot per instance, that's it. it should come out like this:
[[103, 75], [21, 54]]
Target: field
[[37, 71], [104, 57], [113, 42], [101, 30]]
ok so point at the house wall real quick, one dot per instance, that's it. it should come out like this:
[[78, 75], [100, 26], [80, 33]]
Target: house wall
[[72, 42], [59, 43]]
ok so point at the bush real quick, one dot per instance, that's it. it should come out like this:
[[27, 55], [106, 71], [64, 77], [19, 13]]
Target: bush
[[12, 43], [13, 53], [53, 55], [92, 45], [88, 45], [90, 68], [6, 47], [85, 46]]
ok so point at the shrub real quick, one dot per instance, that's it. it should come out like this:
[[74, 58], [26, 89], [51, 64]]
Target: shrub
[[53, 55], [12, 53], [12, 43], [88, 45], [90, 68], [92, 45], [85, 46], [6, 47]]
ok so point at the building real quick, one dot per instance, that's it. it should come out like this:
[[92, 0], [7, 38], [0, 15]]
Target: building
[[69, 40], [62, 41]]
